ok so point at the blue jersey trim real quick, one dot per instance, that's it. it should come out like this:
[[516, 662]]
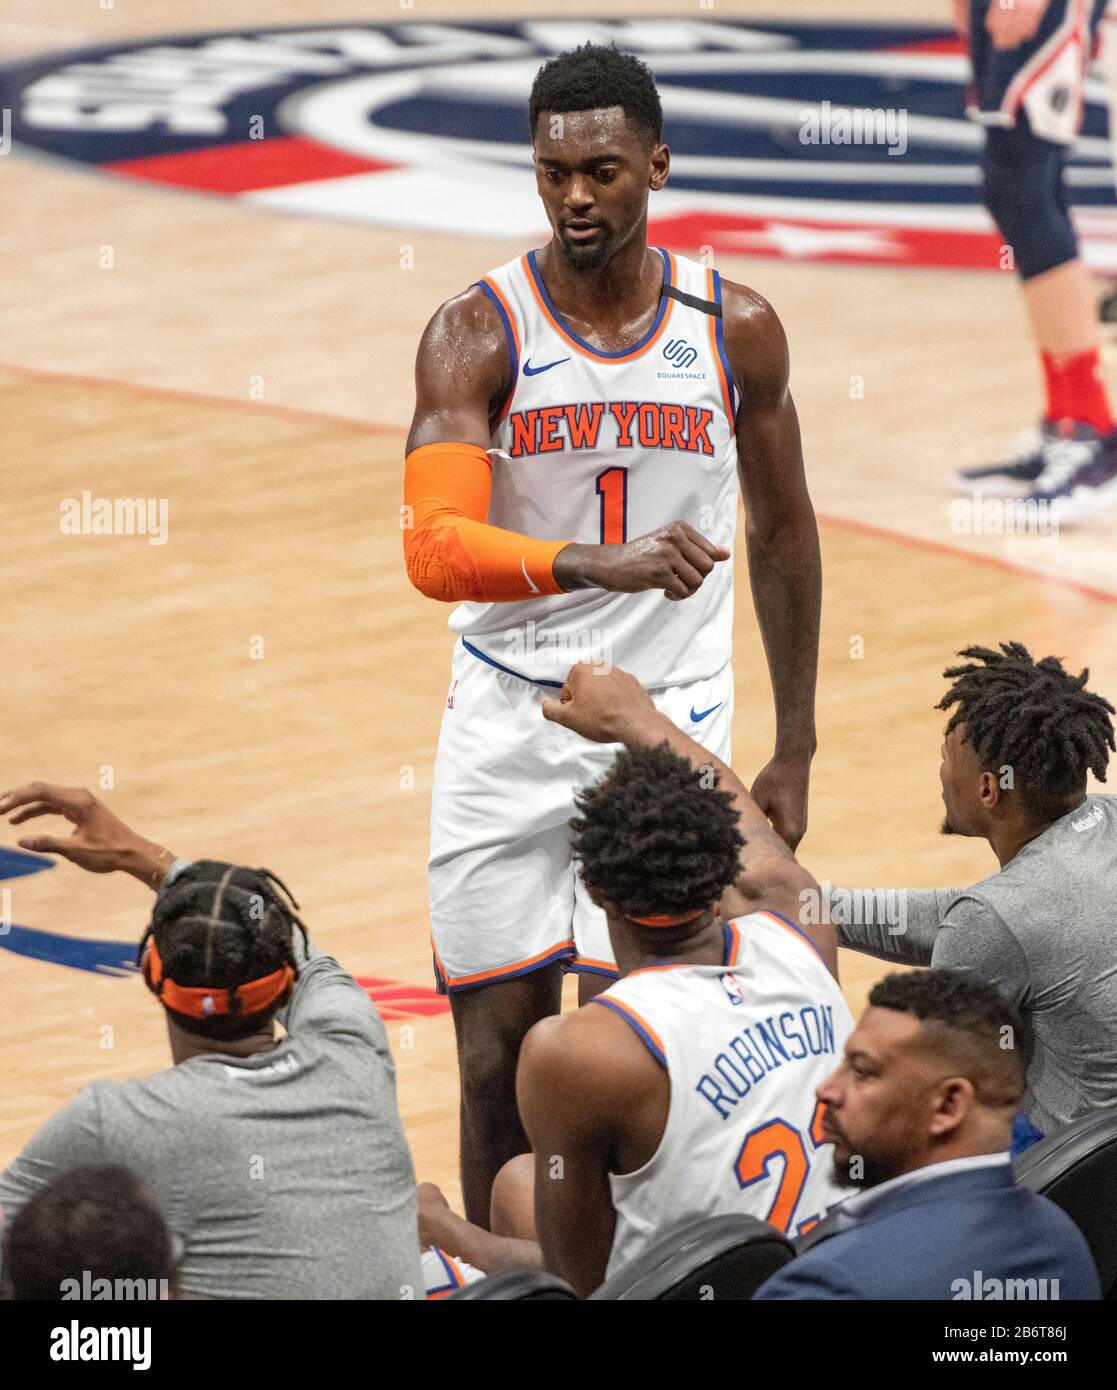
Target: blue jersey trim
[[510, 337], [579, 967], [720, 336], [480, 655], [641, 1033], [588, 347], [452, 1281]]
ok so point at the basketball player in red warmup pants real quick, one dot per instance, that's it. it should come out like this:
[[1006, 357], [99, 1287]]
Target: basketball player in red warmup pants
[[587, 417], [1029, 61]]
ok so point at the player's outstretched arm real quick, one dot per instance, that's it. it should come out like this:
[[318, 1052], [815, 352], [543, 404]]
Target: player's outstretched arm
[[611, 706], [785, 570], [100, 841]]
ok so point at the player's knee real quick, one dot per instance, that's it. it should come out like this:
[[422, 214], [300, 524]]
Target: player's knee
[[513, 1199], [487, 1060], [1024, 194]]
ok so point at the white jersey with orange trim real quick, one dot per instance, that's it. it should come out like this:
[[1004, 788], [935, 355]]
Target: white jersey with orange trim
[[744, 1044], [599, 447]]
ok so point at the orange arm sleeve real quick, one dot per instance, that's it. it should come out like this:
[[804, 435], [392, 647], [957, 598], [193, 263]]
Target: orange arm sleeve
[[450, 550]]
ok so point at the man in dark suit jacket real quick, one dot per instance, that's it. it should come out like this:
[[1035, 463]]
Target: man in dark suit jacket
[[920, 1115]]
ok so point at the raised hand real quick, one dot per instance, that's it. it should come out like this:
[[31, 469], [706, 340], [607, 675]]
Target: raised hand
[[100, 841]]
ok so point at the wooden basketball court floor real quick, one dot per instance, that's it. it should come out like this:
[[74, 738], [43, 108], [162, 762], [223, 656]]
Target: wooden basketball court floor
[[266, 687]]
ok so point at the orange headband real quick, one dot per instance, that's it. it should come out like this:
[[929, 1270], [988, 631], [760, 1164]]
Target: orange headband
[[199, 1001], [667, 920]]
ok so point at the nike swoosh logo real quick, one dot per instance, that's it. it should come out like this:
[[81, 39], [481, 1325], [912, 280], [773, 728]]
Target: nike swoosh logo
[[696, 718], [534, 589], [529, 370]]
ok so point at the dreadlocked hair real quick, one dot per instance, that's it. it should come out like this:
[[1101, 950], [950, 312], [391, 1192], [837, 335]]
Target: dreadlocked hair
[[656, 835], [221, 926], [1033, 717]]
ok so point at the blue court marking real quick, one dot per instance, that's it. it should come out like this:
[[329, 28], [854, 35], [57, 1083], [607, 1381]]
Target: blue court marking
[[17, 863], [100, 957]]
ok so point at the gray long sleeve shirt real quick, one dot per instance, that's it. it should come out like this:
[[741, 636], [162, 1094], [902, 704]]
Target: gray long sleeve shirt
[[287, 1173], [1043, 931]]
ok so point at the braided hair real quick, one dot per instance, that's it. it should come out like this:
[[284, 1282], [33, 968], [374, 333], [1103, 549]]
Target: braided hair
[[1033, 717], [655, 836], [221, 926]]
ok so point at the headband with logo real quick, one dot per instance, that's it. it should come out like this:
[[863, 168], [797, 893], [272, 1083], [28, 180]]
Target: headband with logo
[[200, 1001]]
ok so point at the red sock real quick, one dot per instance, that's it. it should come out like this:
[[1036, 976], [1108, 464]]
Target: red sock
[[1076, 389]]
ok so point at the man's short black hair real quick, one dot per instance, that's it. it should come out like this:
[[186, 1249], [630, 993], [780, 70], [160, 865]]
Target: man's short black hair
[[95, 1220], [656, 835], [594, 77], [220, 925], [984, 1032], [1033, 717]]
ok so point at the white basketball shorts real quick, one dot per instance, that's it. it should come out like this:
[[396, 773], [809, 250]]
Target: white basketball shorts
[[505, 897]]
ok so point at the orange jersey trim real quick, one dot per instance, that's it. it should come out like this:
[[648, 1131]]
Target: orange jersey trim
[[519, 967]]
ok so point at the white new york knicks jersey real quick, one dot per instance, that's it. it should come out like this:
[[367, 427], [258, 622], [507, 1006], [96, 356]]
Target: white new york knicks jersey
[[597, 448], [745, 1045]]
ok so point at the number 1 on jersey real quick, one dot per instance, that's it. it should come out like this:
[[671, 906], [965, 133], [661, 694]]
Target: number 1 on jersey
[[612, 488]]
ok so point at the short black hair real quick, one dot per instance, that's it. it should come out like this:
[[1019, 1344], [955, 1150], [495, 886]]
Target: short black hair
[[1033, 717], [97, 1220], [221, 925], [656, 835], [990, 1038], [596, 76]]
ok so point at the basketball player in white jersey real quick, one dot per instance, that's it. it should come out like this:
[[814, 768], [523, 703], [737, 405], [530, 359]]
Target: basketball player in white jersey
[[692, 1091], [583, 415]]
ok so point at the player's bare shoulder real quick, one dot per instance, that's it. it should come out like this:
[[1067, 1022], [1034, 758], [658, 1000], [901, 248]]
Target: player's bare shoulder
[[462, 361], [587, 1051], [755, 342]]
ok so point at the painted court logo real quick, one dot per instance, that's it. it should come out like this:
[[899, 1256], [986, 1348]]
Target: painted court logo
[[836, 142]]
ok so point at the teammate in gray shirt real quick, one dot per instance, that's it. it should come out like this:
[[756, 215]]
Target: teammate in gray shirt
[[281, 1163], [1015, 756]]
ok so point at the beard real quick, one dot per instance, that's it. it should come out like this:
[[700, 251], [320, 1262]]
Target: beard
[[586, 257], [872, 1173], [948, 827]]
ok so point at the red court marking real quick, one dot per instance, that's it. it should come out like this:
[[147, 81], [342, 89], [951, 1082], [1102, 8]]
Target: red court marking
[[773, 235], [379, 427], [955, 44], [175, 393], [248, 166], [884, 533], [395, 1000]]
